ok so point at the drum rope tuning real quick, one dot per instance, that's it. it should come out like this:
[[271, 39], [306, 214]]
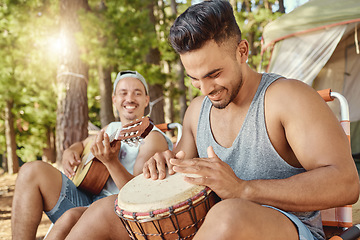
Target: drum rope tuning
[[179, 220], [173, 217]]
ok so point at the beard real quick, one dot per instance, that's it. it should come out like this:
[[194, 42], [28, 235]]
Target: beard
[[226, 101]]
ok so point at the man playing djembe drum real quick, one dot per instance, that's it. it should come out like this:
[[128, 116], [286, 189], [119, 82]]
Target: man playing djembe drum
[[255, 139], [41, 187]]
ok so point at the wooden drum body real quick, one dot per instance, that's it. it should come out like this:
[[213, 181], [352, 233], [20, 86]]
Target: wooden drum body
[[163, 209]]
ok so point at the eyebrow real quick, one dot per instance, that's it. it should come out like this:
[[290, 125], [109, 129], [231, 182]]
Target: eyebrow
[[206, 75]]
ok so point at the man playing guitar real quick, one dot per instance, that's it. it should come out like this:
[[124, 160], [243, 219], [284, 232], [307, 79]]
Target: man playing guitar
[[41, 187]]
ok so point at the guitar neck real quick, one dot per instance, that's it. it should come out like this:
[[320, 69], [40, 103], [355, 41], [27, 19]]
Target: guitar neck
[[131, 134]]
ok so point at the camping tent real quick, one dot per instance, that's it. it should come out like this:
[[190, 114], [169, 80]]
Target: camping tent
[[318, 44]]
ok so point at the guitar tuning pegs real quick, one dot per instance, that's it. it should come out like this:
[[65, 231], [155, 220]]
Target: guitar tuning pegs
[[128, 141]]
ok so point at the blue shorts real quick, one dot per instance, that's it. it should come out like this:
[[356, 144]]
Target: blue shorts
[[70, 197], [304, 232]]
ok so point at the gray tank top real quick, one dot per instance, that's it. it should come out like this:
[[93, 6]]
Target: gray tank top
[[252, 156]]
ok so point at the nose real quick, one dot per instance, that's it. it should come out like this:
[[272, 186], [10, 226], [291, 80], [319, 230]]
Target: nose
[[206, 87], [130, 97]]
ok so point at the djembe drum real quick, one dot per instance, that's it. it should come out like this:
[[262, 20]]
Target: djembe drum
[[163, 209]]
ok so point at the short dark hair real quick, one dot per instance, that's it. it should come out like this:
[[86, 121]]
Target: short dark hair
[[202, 22]]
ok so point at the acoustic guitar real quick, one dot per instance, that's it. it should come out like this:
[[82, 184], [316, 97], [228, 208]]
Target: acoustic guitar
[[91, 175]]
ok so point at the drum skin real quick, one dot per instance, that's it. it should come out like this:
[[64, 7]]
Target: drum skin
[[161, 214]]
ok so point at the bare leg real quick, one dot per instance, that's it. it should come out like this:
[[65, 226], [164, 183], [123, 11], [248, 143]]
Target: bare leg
[[240, 219], [99, 222], [37, 188], [63, 225]]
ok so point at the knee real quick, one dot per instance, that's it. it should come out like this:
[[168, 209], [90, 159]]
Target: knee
[[229, 207], [71, 216], [230, 214], [34, 173], [30, 170], [103, 209]]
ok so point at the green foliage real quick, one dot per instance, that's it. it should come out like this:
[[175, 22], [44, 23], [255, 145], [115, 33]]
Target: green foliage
[[252, 24], [27, 73], [118, 35]]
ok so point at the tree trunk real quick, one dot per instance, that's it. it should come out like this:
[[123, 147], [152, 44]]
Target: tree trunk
[[182, 88], [72, 107], [12, 158], [181, 75], [4, 162], [49, 153], [281, 6], [234, 5], [156, 91], [157, 108], [105, 85], [246, 6]]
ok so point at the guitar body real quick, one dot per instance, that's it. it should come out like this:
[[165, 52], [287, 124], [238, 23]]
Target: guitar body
[[95, 178], [91, 175]]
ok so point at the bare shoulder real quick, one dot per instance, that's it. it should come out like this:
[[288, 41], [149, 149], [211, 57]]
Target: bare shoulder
[[156, 138], [291, 88], [188, 139], [192, 113], [286, 96], [196, 103]]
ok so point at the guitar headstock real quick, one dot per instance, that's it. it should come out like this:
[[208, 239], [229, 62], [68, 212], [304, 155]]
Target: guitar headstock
[[135, 131]]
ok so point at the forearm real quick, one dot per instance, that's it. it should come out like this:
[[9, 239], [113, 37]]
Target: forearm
[[313, 190], [80, 146], [118, 173], [77, 146]]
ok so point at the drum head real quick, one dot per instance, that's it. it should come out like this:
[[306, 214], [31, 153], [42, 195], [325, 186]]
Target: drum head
[[145, 195]]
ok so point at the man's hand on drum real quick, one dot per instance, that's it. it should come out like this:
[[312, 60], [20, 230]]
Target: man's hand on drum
[[103, 150], [155, 167], [70, 160], [212, 172]]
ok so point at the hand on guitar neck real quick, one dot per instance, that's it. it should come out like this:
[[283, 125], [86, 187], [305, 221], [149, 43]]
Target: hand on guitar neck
[[103, 148], [91, 175], [106, 147]]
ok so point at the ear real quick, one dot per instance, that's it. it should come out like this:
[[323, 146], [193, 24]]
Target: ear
[[243, 51], [113, 99], [147, 100]]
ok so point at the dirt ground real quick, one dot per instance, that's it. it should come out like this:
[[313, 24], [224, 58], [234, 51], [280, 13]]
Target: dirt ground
[[7, 185]]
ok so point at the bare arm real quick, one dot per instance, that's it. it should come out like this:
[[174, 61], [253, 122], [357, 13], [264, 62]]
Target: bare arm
[[321, 147], [72, 156], [187, 143], [156, 166]]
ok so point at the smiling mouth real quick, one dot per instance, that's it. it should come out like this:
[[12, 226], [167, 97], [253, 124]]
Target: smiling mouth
[[129, 107], [215, 96]]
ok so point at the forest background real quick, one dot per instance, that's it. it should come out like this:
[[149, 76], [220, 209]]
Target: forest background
[[58, 59]]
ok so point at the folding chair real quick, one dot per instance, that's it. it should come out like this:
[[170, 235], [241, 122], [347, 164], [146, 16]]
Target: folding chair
[[165, 127], [336, 219]]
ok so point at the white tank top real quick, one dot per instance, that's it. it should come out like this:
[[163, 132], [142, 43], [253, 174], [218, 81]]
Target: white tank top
[[127, 157]]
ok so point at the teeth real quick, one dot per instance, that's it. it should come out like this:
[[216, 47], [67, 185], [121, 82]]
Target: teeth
[[129, 107], [217, 93]]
